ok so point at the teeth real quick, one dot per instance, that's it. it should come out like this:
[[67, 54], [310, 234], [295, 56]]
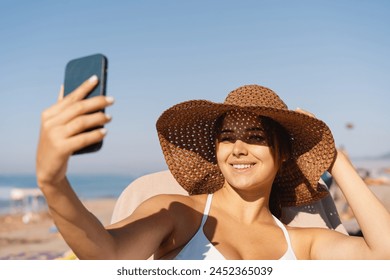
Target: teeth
[[242, 166]]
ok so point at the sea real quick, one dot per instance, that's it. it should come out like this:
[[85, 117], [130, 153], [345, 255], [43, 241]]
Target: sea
[[86, 187]]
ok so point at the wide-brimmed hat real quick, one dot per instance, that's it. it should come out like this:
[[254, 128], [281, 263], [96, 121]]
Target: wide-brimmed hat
[[187, 136]]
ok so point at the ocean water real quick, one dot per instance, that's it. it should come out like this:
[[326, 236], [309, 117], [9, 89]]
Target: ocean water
[[86, 186]]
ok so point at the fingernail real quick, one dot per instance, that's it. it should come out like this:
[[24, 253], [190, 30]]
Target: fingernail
[[110, 99], [109, 117], [103, 131], [93, 79]]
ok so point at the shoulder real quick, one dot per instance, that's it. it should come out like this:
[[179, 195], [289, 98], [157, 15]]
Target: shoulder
[[316, 243], [166, 200], [303, 240], [176, 205], [166, 211], [183, 214]]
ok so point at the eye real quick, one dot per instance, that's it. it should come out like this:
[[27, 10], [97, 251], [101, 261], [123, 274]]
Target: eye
[[257, 139], [227, 138]]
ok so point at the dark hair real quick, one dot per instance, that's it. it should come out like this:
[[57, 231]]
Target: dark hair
[[280, 144], [279, 141]]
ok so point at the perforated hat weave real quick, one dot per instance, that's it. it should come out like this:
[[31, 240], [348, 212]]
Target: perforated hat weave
[[187, 136]]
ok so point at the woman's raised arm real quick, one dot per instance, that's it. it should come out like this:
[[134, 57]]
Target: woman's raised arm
[[63, 127], [370, 213]]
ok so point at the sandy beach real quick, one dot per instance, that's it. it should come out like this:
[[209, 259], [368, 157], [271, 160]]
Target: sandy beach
[[39, 239]]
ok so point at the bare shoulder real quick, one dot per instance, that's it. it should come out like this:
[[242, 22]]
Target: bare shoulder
[[321, 243], [183, 213], [165, 211], [301, 240], [175, 204], [166, 200]]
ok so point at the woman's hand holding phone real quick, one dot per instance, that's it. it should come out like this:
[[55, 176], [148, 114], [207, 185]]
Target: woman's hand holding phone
[[66, 128]]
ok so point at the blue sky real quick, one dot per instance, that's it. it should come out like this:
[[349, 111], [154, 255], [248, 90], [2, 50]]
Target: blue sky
[[329, 57]]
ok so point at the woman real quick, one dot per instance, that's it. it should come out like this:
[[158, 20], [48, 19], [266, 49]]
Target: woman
[[241, 161]]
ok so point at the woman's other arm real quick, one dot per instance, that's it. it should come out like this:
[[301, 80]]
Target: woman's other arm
[[372, 216]]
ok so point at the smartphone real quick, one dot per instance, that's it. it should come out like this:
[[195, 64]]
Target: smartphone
[[81, 69]]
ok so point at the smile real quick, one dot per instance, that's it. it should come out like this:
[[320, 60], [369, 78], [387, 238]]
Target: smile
[[242, 166]]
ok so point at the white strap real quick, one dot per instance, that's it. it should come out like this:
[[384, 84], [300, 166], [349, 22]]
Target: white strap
[[285, 232], [206, 209]]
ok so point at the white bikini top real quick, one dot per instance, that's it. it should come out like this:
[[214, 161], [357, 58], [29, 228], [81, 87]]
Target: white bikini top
[[200, 248]]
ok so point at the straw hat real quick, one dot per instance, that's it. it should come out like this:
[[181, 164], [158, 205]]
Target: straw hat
[[187, 136]]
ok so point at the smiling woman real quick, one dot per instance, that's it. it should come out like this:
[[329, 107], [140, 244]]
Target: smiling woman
[[240, 161]]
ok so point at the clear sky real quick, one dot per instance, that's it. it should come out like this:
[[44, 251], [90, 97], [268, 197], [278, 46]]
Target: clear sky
[[329, 57]]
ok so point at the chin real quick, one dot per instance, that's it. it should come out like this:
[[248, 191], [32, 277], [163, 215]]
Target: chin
[[242, 185]]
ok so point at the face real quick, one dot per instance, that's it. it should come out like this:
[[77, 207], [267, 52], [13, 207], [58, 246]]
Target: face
[[243, 153]]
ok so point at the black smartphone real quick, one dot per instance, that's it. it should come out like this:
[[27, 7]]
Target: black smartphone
[[76, 72]]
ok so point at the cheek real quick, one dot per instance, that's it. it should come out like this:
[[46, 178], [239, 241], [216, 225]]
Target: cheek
[[264, 154], [223, 152], [219, 151]]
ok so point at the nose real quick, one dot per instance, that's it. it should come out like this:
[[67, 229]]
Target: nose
[[239, 148]]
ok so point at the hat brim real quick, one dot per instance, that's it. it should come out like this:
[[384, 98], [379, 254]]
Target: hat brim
[[187, 138]]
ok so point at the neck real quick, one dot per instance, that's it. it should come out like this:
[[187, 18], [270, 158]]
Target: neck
[[248, 207]]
